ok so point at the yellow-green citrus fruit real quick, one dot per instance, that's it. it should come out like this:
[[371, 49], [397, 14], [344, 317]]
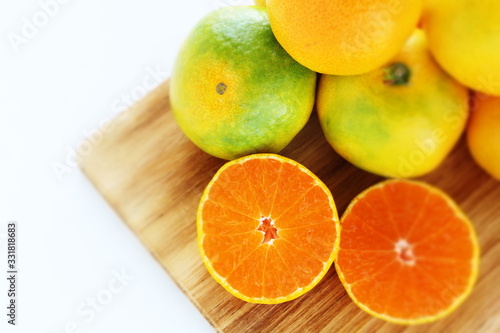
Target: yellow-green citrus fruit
[[398, 121]]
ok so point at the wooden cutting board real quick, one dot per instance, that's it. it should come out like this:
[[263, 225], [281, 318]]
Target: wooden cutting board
[[153, 176]]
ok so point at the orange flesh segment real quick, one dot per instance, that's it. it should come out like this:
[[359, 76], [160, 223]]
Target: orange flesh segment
[[269, 229], [407, 254]]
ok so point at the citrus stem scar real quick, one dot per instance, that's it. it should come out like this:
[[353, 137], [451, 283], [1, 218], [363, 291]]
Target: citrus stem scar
[[397, 74], [221, 88]]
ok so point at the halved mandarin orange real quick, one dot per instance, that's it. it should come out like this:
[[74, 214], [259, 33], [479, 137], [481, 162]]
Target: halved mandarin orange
[[268, 229], [407, 253]]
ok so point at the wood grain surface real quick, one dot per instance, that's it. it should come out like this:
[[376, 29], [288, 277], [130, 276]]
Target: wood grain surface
[[153, 176]]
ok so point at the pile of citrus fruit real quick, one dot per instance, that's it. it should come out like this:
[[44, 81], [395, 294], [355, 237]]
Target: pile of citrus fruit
[[395, 85]]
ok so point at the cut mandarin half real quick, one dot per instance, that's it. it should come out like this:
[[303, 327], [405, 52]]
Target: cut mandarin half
[[407, 253], [268, 229]]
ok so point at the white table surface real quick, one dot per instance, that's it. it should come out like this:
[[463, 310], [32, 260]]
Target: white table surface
[[61, 76]]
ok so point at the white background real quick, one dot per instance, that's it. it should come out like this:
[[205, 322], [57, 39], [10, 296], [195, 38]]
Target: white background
[[59, 81]]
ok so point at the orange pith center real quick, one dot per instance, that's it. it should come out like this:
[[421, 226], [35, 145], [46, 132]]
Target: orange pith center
[[404, 252], [267, 227]]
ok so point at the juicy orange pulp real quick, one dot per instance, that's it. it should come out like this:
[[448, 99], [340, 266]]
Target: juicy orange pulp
[[267, 228], [407, 253]]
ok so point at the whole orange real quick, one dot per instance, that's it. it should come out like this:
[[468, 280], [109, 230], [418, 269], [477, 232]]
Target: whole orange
[[343, 37], [483, 134]]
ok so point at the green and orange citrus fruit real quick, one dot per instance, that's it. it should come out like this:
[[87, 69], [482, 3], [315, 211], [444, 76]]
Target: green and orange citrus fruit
[[234, 90]]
